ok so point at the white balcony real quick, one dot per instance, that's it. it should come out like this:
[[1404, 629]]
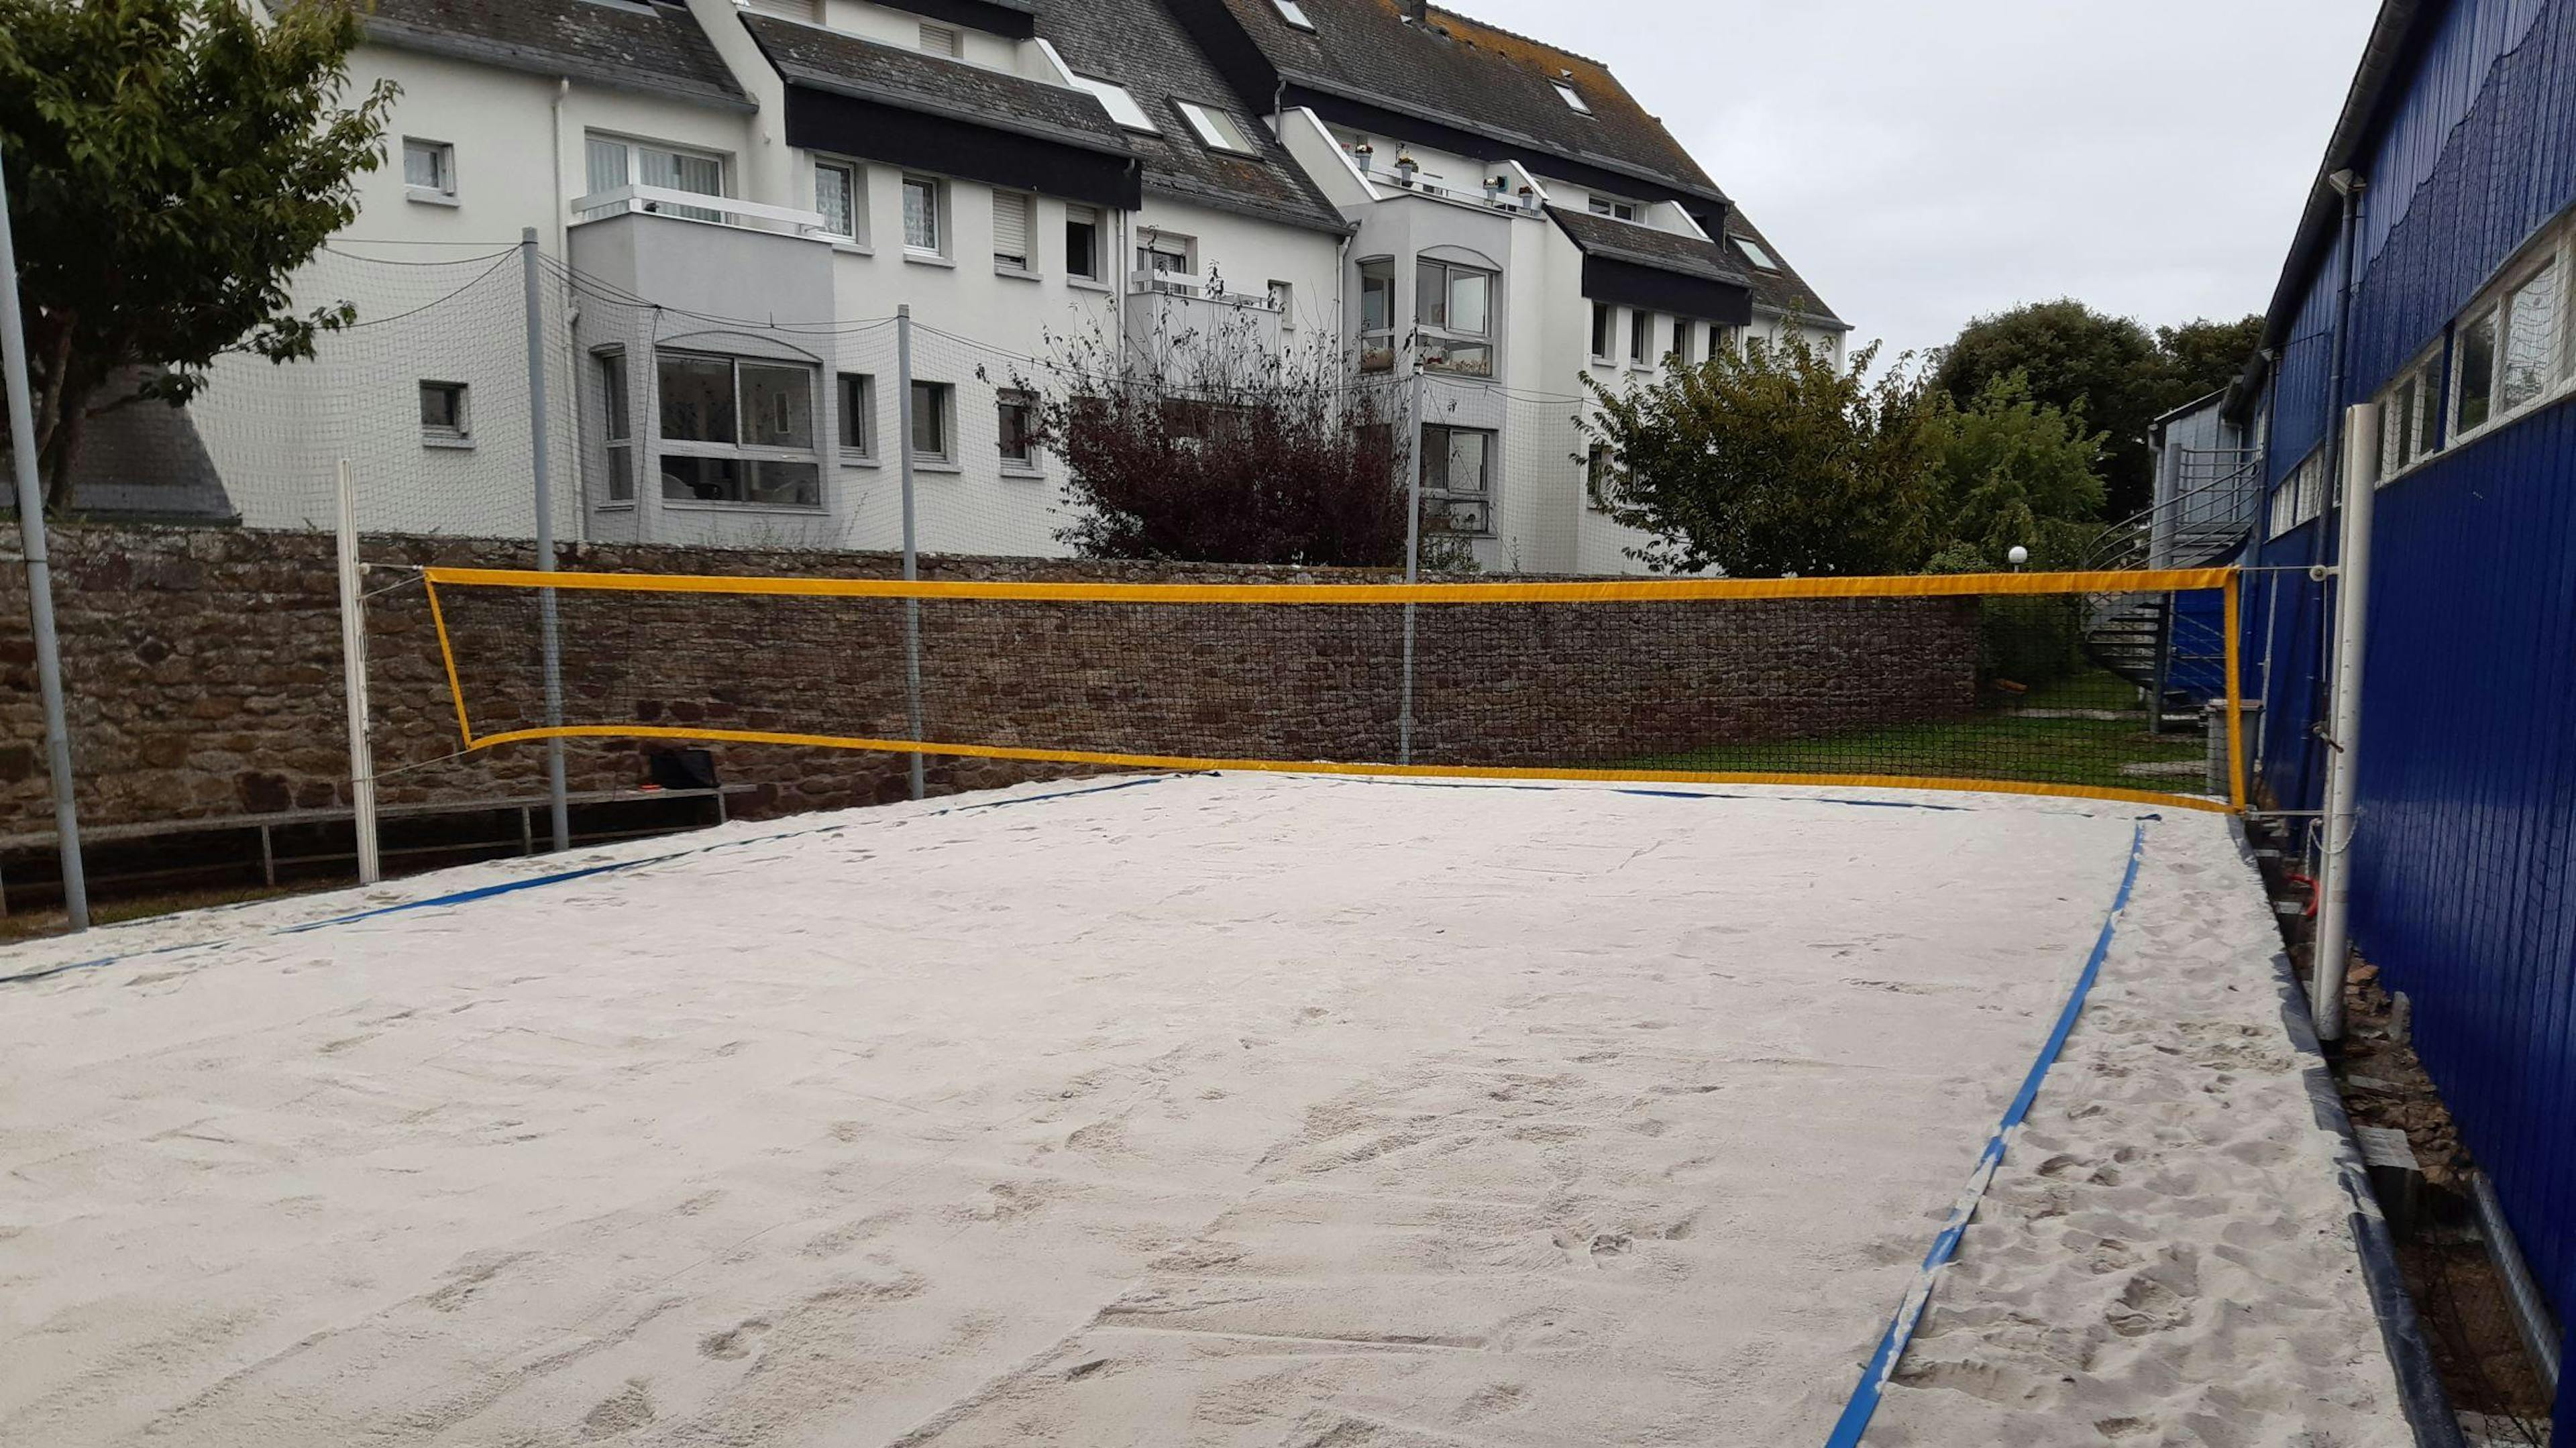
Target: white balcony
[[1196, 288], [696, 206]]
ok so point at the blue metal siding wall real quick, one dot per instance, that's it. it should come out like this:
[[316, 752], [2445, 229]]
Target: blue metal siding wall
[[2465, 887], [2305, 371], [2465, 857], [2468, 172]]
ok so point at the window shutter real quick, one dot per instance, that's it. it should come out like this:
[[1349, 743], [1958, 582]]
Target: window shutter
[[809, 11], [940, 39], [1011, 228]]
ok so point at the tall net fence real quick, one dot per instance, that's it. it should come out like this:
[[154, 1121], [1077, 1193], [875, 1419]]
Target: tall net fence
[[1956, 682]]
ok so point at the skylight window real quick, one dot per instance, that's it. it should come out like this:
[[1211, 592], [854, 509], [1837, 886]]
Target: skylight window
[[1753, 252], [1567, 94], [1216, 128], [1294, 14], [1120, 103]]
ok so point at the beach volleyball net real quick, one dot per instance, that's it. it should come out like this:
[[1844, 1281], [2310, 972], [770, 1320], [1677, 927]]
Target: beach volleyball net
[[2114, 685]]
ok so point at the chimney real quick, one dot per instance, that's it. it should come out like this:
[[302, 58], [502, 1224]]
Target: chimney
[[1415, 12]]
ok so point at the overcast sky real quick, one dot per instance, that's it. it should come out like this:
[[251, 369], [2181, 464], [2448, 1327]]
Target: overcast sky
[[1924, 161]]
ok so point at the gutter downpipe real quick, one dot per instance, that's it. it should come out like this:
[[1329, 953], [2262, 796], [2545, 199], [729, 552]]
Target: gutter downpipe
[[2348, 184]]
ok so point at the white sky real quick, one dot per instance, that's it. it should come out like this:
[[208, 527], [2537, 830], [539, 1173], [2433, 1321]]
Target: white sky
[[1924, 161]]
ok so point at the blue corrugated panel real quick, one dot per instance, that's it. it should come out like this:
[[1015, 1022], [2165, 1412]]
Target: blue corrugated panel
[[2465, 890]]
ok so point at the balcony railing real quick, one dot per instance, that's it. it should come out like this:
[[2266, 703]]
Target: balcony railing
[[1190, 284], [695, 206]]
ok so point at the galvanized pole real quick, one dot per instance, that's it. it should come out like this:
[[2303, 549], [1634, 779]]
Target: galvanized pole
[[353, 676], [40, 576], [2343, 740], [911, 557], [558, 808], [1412, 574]]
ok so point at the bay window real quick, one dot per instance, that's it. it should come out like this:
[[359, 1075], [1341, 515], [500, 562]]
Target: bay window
[[737, 430], [1453, 311]]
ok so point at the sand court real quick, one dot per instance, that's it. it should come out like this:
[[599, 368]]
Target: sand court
[[1195, 1110]]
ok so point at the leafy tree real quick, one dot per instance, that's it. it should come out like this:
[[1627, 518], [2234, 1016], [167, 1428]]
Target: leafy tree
[[2012, 470], [2200, 357], [170, 164], [1768, 460], [1218, 446], [2078, 360]]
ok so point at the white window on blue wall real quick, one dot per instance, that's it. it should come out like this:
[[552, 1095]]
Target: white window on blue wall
[[2410, 417], [2509, 351]]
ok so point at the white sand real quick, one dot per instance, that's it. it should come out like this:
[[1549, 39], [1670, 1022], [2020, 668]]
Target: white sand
[[1230, 1111]]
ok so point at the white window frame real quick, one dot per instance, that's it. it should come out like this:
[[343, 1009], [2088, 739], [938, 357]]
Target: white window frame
[[855, 173], [939, 228], [1447, 495], [862, 412], [1120, 103], [443, 156], [1376, 344], [1605, 333], [1431, 335], [1027, 265], [617, 421], [1074, 216], [1294, 14], [461, 433], [1755, 254], [2402, 416], [1641, 337], [1281, 297], [2552, 258], [1217, 128], [1617, 208], [1573, 98], [737, 450], [1028, 464], [943, 406], [634, 148]]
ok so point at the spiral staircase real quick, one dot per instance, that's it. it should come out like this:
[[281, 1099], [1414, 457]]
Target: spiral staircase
[[2172, 650]]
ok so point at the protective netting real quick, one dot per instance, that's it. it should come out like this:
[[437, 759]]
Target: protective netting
[[2017, 682]]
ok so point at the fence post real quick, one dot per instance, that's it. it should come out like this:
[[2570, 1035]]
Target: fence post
[[2343, 739], [1412, 574], [353, 673], [539, 447], [40, 577], [911, 557]]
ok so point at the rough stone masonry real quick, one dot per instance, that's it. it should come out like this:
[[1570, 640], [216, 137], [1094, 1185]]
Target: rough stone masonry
[[203, 667]]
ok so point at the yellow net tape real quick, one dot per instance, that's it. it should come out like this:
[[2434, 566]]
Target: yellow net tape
[[1845, 682]]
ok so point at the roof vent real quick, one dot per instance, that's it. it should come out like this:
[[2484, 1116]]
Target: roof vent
[[1415, 12]]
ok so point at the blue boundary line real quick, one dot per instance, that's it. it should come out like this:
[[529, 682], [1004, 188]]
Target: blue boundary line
[[512, 887], [1900, 1331]]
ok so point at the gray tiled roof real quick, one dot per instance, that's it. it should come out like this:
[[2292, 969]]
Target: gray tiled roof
[[1137, 44], [1473, 76], [915, 81], [1783, 290], [638, 45], [1645, 246]]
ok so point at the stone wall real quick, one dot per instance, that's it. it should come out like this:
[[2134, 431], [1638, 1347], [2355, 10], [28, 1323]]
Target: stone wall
[[204, 670]]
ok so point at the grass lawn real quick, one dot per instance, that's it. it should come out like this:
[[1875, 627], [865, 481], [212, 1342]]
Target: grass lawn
[[2003, 741]]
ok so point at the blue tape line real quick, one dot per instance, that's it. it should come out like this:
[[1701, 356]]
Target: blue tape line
[[1900, 1331], [511, 887]]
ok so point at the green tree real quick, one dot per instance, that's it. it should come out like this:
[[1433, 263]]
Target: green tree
[[171, 163], [2012, 470], [2201, 357], [1769, 460], [2079, 361]]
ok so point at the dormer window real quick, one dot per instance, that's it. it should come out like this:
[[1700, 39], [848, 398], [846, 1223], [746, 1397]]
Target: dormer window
[[1570, 96], [1753, 252], [1120, 103], [1614, 208], [1216, 128], [1294, 14]]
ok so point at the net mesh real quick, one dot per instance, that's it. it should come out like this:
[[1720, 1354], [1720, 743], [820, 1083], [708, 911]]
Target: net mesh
[[1944, 681]]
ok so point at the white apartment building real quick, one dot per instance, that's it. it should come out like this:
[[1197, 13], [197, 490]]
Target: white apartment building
[[731, 198]]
